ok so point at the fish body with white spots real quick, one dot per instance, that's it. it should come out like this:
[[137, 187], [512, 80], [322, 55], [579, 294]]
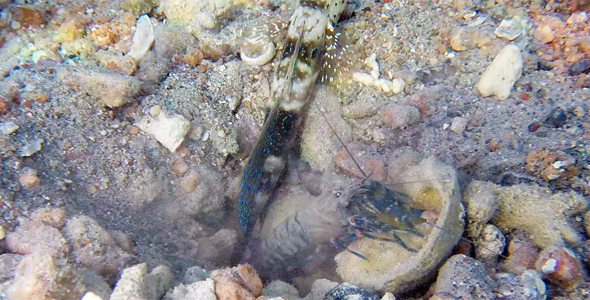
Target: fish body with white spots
[[311, 47]]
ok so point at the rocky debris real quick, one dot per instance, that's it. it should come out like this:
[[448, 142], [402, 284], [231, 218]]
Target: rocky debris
[[490, 245], [501, 75], [38, 277], [510, 29], [458, 125], [277, 288], [398, 116], [551, 165], [237, 283], [528, 286], [170, 40], [28, 178], [515, 206], [522, 255], [168, 130], [481, 204], [142, 38], [113, 90], [561, 266], [389, 87], [35, 237], [463, 276], [8, 127], [195, 13], [94, 247], [8, 264], [194, 274], [52, 216], [137, 283], [30, 147], [346, 291], [201, 290], [94, 283], [579, 67]]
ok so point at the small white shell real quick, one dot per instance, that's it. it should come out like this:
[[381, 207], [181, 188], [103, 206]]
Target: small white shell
[[257, 53], [142, 38]]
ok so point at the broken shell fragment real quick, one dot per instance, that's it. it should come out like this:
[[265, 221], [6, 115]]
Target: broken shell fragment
[[142, 38], [390, 268]]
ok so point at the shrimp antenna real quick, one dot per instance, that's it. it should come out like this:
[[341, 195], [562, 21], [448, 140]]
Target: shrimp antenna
[[340, 140]]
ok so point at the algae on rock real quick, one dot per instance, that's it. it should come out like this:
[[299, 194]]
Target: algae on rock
[[534, 209]]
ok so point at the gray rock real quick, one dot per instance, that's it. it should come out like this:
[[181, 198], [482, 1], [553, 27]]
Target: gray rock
[[464, 277], [528, 286], [347, 291], [170, 40]]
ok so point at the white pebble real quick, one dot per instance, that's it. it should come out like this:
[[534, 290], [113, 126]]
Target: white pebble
[[509, 29], [142, 38], [7, 128], [169, 131], [206, 20], [364, 78], [458, 125], [31, 147], [549, 266], [501, 75], [372, 63]]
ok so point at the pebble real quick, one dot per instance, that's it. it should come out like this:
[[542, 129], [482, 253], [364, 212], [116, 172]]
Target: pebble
[[114, 90], [509, 29], [347, 291], [29, 179], [137, 283], [25, 16], [544, 33], [528, 286], [501, 75], [464, 38], [463, 277], [200, 290], [116, 62], [66, 32], [189, 181], [215, 51], [54, 217], [522, 255], [91, 296], [396, 116], [155, 110], [557, 118], [142, 38], [31, 147], [36, 237], [7, 128], [458, 125], [490, 245], [579, 67], [561, 266], [179, 167], [238, 283], [193, 57], [38, 277], [169, 131]]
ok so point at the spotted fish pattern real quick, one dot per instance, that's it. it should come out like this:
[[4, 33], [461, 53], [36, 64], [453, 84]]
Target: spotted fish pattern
[[312, 46]]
